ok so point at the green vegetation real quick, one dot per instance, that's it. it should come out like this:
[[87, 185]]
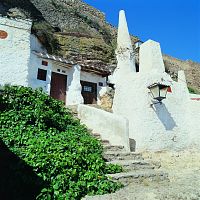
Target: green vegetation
[[193, 90], [55, 153], [45, 34]]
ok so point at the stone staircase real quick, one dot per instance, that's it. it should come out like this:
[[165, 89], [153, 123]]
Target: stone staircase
[[135, 168]]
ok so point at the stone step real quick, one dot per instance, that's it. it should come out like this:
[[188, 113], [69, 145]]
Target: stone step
[[138, 176], [128, 165], [113, 148], [96, 135], [105, 142], [119, 155]]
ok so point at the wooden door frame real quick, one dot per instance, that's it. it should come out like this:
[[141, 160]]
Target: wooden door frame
[[66, 81]]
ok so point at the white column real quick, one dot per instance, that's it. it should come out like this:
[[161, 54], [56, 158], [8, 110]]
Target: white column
[[124, 51], [150, 57], [183, 83], [74, 96]]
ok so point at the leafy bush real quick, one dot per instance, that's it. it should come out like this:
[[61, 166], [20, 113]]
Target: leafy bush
[[44, 134]]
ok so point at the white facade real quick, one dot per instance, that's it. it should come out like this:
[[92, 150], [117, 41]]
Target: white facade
[[112, 127], [15, 51], [35, 64], [170, 125], [19, 63]]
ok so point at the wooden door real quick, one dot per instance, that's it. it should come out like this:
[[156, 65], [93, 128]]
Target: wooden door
[[89, 92], [58, 86]]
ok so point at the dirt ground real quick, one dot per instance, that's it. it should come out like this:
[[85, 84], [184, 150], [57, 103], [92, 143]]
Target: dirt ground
[[183, 184]]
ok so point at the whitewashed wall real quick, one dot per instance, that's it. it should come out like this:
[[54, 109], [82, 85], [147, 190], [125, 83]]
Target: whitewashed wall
[[161, 126], [15, 51], [95, 79], [35, 64], [110, 126], [194, 121]]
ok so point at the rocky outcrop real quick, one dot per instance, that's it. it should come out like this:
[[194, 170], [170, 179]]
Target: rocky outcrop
[[192, 71], [69, 28]]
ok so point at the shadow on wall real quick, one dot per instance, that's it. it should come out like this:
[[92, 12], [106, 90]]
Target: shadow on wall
[[164, 116], [17, 179]]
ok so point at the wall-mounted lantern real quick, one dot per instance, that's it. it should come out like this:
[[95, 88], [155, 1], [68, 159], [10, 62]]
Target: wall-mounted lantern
[[159, 91]]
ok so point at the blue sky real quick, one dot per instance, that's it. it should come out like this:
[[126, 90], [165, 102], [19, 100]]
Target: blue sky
[[173, 23]]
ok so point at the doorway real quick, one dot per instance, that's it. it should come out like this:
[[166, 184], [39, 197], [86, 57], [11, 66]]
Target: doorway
[[89, 92], [58, 86]]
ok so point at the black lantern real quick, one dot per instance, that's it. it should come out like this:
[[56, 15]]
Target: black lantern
[[159, 91]]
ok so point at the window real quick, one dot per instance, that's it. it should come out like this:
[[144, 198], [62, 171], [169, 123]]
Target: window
[[137, 67], [100, 84], [45, 63], [42, 74], [87, 88]]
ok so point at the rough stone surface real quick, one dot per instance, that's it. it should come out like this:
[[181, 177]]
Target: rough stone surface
[[78, 31], [192, 70], [183, 169], [106, 100], [118, 155]]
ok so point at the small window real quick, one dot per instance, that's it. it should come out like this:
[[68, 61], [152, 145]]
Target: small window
[[45, 63], [42, 74], [87, 88], [58, 70], [63, 71], [100, 84]]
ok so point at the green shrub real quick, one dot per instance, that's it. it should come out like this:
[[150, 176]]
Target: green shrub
[[193, 90], [44, 134]]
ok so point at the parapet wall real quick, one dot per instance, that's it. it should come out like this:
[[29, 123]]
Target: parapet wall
[[111, 127]]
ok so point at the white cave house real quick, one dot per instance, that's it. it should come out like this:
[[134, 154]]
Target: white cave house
[[24, 61]]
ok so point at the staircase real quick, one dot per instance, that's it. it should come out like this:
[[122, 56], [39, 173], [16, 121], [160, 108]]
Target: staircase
[[135, 168]]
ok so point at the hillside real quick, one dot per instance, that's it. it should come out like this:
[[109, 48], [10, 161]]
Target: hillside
[[192, 70], [76, 30], [68, 28]]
